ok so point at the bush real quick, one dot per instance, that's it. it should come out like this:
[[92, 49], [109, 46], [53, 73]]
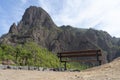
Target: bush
[[29, 54]]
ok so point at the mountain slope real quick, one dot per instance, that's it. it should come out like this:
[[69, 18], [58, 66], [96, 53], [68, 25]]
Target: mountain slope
[[37, 26]]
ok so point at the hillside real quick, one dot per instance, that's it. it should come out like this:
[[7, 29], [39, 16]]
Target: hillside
[[37, 26], [29, 54]]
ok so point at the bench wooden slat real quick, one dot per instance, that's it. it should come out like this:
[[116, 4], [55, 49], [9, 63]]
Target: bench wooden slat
[[80, 60], [80, 55], [83, 51]]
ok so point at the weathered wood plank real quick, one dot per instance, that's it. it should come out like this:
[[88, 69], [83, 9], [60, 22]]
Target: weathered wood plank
[[80, 60], [79, 55], [84, 53]]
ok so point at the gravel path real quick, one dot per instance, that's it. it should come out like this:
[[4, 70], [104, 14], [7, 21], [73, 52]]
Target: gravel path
[[109, 71]]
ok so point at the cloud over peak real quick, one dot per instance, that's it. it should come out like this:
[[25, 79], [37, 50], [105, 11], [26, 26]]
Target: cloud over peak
[[88, 13], [98, 14]]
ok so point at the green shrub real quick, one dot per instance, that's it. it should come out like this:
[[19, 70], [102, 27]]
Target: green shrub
[[29, 54]]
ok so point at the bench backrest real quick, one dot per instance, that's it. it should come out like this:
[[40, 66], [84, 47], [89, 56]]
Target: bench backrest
[[82, 53]]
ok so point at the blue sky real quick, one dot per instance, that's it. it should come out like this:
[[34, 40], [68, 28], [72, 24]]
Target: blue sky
[[98, 14]]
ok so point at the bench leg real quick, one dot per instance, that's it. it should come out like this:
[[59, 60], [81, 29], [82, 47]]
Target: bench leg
[[99, 62], [65, 67]]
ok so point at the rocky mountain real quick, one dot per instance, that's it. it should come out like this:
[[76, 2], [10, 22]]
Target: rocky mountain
[[36, 25]]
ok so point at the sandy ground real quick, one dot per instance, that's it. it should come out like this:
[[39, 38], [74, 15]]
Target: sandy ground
[[109, 71]]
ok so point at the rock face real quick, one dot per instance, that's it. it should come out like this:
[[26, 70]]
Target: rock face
[[36, 25], [13, 29], [35, 17]]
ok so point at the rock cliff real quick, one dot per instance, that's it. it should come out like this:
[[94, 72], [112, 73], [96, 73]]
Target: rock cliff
[[36, 25]]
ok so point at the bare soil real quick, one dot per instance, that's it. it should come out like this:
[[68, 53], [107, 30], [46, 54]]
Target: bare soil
[[110, 71]]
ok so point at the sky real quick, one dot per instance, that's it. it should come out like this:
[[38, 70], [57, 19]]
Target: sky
[[98, 14]]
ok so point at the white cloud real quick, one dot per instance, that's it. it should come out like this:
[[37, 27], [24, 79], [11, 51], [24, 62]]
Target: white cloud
[[87, 13], [24, 1], [99, 14]]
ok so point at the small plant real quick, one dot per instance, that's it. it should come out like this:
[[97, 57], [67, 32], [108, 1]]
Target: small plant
[[77, 66]]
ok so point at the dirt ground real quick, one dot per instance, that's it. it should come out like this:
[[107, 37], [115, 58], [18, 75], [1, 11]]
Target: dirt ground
[[110, 71]]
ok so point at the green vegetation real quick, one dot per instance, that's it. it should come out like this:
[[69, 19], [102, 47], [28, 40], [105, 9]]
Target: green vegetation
[[31, 54], [78, 66]]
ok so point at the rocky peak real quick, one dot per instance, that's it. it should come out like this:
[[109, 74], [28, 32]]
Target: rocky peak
[[36, 25], [36, 16], [13, 29]]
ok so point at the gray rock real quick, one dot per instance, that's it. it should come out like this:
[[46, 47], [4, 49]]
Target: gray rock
[[36, 25], [13, 29]]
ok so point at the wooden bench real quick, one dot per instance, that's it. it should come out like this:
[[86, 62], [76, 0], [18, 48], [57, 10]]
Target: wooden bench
[[80, 54]]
